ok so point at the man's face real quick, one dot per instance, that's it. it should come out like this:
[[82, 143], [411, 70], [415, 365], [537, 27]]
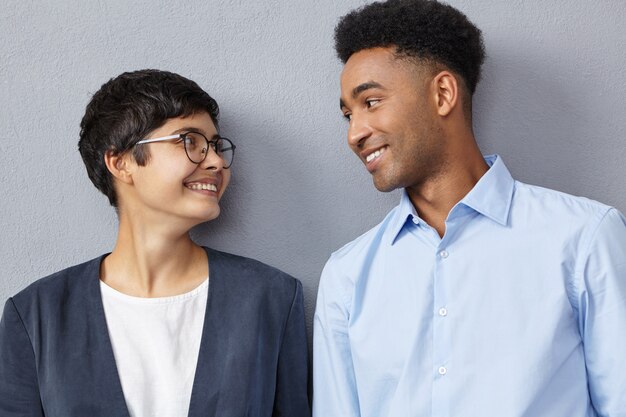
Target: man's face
[[393, 119]]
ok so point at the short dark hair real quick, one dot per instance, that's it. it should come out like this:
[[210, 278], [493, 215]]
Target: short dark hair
[[423, 29], [126, 109]]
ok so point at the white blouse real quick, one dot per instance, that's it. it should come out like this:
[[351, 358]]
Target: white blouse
[[156, 342]]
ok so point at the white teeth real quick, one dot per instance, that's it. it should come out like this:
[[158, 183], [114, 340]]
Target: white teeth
[[375, 155], [198, 186]]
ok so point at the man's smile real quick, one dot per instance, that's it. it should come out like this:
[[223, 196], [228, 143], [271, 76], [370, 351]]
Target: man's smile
[[375, 154]]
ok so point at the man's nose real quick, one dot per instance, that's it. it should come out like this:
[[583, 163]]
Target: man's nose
[[358, 131]]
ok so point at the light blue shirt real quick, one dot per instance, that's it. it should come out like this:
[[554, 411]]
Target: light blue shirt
[[519, 310]]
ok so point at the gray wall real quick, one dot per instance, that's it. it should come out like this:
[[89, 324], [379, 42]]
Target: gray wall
[[551, 103]]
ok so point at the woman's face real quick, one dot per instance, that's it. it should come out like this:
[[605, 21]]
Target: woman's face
[[172, 186]]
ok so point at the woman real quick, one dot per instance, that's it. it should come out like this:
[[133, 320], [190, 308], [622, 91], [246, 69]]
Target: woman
[[160, 326]]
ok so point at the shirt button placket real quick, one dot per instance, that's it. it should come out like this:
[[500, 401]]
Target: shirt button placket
[[441, 335]]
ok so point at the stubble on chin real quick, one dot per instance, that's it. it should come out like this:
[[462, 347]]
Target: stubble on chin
[[417, 170], [384, 185]]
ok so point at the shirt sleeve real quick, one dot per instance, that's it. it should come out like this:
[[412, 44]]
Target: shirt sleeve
[[334, 383], [602, 315], [292, 399], [19, 388]]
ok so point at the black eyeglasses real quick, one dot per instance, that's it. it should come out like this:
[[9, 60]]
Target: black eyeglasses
[[197, 146]]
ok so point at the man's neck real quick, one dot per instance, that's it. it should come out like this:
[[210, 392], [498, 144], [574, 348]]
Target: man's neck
[[434, 199]]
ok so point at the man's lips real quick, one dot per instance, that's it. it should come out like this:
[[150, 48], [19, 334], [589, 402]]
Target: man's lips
[[372, 154]]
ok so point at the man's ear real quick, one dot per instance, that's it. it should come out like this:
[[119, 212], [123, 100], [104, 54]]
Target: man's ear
[[446, 92], [119, 165]]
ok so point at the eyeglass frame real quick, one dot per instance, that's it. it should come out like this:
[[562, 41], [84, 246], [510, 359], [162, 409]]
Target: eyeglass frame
[[210, 144]]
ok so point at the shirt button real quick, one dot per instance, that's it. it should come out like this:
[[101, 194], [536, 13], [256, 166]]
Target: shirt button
[[444, 254], [443, 311], [442, 370]]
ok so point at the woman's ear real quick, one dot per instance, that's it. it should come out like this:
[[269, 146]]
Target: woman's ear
[[119, 165]]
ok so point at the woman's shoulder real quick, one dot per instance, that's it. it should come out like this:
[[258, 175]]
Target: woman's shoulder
[[59, 288], [239, 270], [244, 289]]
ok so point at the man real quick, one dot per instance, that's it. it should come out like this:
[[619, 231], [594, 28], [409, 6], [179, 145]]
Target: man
[[477, 295]]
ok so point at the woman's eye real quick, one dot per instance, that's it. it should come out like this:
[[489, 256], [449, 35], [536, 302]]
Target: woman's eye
[[347, 116], [188, 141]]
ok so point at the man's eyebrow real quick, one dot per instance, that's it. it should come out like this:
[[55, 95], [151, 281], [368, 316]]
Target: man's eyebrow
[[360, 88], [365, 86]]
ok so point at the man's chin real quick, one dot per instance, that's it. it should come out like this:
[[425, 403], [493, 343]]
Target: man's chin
[[385, 186]]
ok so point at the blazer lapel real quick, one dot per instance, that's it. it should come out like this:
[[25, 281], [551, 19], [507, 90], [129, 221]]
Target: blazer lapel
[[212, 356], [205, 393], [101, 359]]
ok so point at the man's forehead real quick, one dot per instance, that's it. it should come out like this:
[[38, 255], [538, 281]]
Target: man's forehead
[[368, 60], [379, 66], [362, 69]]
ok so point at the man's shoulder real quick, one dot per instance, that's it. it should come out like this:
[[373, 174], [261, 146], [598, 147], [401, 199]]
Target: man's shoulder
[[562, 218], [365, 241], [347, 265], [558, 205]]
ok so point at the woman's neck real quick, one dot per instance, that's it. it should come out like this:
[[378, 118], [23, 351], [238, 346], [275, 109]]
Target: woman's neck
[[153, 260]]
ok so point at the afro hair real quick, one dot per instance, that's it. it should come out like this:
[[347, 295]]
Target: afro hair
[[424, 29]]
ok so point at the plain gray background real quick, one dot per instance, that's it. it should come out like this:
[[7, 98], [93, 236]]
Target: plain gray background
[[551, 102]]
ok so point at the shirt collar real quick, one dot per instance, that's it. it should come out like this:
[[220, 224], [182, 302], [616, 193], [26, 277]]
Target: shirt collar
[[404, 212], [493, 193], [491, 196]]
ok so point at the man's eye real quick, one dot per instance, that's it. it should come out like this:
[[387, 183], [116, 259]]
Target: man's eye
[[372, 102]]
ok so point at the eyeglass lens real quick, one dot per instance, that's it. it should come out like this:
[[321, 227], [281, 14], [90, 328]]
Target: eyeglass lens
[[196, 146]]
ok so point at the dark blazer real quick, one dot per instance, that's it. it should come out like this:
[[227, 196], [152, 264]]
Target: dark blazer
[[56, 358]]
